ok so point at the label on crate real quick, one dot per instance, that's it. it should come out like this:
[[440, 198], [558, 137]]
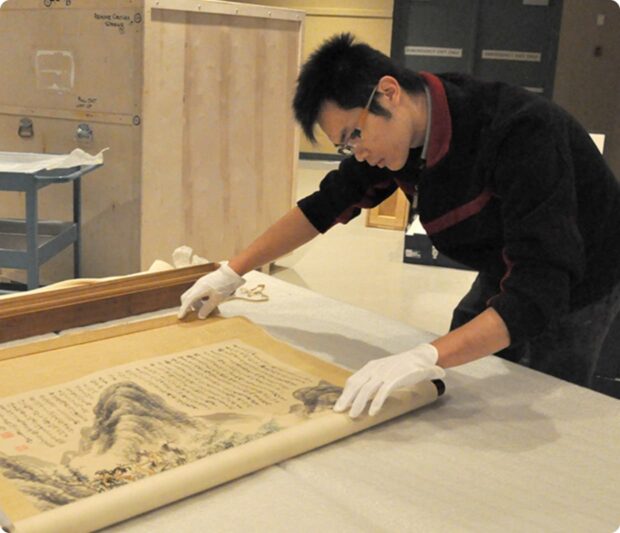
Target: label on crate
[[118, 21]]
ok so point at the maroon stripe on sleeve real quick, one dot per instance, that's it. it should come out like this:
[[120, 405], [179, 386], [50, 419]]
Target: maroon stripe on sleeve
[[459, 214], [346, 215], [509, 265]]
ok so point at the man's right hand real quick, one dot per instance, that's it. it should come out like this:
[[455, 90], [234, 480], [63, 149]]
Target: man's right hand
[[209, 291]]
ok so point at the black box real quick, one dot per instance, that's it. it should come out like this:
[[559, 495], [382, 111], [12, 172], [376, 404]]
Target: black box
[[419, 250]]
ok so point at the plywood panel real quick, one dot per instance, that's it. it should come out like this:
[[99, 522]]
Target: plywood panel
[[238, 136], [163, 134], [110, 195], [83, 57], [197, 116]]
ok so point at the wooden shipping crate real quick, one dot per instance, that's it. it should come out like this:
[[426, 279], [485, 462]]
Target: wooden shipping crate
[[194, 101]]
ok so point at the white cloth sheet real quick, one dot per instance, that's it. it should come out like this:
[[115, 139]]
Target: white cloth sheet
[[30, 163], [506, 449]]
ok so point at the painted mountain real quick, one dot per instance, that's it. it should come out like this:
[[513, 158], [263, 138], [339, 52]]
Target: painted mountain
[[135, 434]]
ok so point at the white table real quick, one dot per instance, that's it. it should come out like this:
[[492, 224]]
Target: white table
[[506, 449]]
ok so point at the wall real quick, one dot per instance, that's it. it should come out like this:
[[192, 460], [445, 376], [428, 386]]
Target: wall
[[369, 20], [588, 85], [596, 105], [612, 149]]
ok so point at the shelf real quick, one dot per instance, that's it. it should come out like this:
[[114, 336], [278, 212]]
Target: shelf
[[53, 236]]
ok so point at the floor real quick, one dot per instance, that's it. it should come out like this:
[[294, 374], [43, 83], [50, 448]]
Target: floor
[[363, 266]]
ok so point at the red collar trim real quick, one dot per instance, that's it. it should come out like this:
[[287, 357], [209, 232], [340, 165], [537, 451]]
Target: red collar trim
[[441, 123]]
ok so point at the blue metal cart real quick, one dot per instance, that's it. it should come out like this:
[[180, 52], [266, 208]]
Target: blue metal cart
[[30, 242]]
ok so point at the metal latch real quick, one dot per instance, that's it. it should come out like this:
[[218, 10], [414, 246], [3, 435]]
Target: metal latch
[[26, 128], [84, 133]]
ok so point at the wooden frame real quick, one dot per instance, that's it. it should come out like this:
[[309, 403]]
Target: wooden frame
[[392, 213], [54, 310], [229, 8]]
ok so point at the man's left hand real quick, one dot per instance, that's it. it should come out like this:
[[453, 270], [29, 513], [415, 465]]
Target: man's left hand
[[380, 377]]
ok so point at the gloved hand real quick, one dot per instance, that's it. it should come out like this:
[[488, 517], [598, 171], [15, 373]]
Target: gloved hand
[[380, 377], [214, 287]]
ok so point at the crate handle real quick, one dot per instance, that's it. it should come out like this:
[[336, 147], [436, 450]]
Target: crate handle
[[26, 128]]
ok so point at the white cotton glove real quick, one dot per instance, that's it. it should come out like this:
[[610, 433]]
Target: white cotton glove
[[209, 291], [380, 377]]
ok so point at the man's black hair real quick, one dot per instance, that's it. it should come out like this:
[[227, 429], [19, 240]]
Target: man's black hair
[[345, 72]]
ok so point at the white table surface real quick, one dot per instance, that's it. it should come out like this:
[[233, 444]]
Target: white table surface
[[506, 449]]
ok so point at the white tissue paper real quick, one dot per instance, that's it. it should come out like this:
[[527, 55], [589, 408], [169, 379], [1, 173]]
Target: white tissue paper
[[30, 163]]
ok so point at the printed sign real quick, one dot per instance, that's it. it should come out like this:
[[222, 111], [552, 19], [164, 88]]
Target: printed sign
[[512, 55], [433, 51]]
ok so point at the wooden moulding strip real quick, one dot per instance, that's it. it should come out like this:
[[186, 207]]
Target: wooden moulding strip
[[341, 12], [69, 114], [23, 5], [229, 8], [50, 311]]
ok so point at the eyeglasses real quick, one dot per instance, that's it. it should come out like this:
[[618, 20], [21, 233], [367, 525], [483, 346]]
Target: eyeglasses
[[348, 146]]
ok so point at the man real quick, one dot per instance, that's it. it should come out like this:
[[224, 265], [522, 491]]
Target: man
[[504, 181]]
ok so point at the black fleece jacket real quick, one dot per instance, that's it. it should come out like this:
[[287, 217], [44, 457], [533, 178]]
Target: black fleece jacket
[[513, 187]]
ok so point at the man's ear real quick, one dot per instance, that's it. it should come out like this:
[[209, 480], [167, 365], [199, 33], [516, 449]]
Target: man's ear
[[390, 88]]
